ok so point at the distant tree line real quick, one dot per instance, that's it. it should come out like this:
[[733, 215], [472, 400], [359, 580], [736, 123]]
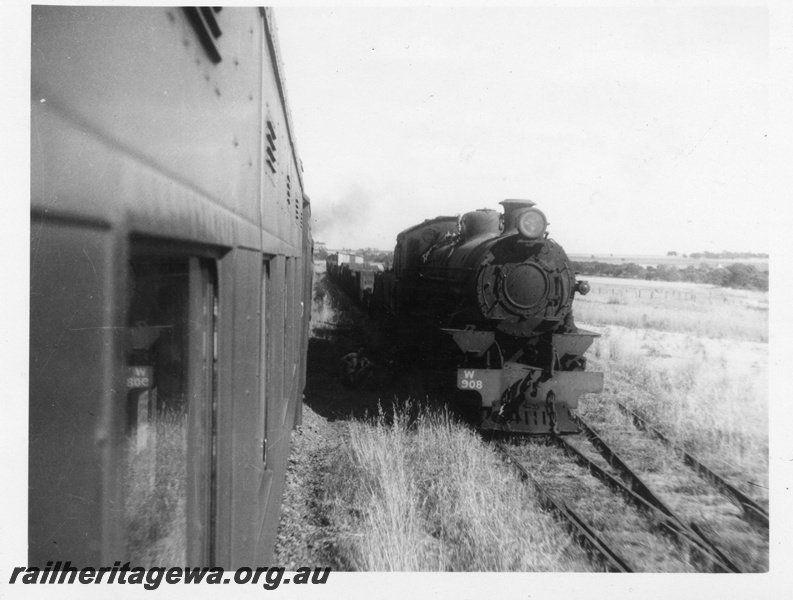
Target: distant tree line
[[720, 255], [736, 275]]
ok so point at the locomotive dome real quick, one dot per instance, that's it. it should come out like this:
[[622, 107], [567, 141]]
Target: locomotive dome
[[484, 221]]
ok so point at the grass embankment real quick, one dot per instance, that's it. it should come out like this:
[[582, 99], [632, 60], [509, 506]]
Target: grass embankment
[[417, 491]]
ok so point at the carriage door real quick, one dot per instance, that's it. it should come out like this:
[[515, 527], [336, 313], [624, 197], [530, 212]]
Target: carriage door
[[170, 397]]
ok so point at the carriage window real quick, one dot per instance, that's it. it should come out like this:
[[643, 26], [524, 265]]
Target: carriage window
[[170, 382]]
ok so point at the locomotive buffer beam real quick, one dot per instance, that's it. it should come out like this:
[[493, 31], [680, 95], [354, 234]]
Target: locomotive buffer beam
[[526, 399]]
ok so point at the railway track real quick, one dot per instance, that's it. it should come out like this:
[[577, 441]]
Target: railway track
[[752, 511], [656, 521], [584, 534]]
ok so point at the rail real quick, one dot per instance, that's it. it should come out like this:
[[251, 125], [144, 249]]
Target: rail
[[585, 535], [751, 509], [638, 492]]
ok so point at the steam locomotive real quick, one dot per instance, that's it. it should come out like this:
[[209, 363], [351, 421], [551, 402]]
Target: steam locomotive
[[170, 286], [492, 297]]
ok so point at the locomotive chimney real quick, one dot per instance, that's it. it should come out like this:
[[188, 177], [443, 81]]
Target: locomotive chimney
[[511, 211]]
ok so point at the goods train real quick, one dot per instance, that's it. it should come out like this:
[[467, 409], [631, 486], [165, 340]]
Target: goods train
[[354, 275], [490, 297], [169, 287]]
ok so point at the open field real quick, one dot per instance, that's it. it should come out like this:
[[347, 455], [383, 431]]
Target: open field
[[695, 309], [692, 358]]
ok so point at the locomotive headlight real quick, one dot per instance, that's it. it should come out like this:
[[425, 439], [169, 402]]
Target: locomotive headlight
[[532, 224]]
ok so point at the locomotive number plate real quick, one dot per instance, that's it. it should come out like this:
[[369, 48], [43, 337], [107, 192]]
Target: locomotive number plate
[[485, 381], [470, 384], [139, 377]]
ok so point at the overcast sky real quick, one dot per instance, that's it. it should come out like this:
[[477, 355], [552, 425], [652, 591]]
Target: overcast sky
[[636, 130]]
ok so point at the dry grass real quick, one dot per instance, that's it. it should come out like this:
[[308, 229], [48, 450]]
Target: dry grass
[[711, 397], [694, 309], [693, 359], [420, 492], [697, 365], [156, 494]]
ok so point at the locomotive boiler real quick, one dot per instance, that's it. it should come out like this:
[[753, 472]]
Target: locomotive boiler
[[493, 294]]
